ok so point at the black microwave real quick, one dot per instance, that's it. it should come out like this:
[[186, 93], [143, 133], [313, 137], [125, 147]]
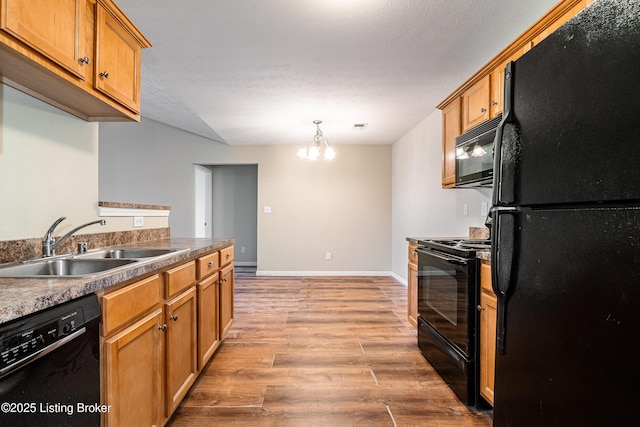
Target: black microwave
[[474, 155]]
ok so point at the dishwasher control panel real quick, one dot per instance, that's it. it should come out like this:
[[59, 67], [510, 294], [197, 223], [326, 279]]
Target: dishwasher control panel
[[27, 337]]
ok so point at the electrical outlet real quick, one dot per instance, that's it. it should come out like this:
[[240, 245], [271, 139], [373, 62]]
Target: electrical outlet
[[243, 249], [465, 209], [483, 209], [138, 221], [267, 209], [327, 256]]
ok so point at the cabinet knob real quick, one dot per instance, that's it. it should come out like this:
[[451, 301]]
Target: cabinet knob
[[483, 110], [494, 103], [228, 256], [163, 327], [479, 308], [84, 60], [210, 264], [104, 74], [174, 317]]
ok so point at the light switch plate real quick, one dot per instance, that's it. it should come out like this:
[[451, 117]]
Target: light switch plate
[[138, 221], [267, 209]]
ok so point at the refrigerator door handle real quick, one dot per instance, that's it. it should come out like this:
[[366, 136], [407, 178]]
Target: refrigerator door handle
[[502, 251], [504, 188]]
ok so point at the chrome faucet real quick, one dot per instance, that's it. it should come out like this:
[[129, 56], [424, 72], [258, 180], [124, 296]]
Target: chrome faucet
[[49, 243]]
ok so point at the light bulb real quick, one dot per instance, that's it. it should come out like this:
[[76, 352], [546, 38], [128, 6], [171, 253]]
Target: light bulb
[[329, 153]]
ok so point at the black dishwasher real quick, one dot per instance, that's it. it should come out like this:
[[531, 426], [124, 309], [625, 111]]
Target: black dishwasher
[[50, 367]]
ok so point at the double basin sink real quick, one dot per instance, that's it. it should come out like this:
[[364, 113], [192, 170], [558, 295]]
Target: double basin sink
[[82, 265]]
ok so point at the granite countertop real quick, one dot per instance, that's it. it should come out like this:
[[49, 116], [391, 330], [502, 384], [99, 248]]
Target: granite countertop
[[22, 296]]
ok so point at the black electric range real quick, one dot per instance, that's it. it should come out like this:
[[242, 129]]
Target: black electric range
[[448, 294]]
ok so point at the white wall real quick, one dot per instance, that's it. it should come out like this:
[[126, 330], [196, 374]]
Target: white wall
[[48, 168], [342, 206], [420, 206]]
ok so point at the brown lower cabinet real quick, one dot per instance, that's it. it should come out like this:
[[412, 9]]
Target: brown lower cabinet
[[488, 311], [158, 334], [412, 285]]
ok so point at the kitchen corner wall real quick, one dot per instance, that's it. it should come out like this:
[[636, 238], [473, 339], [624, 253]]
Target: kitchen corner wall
[[420, 206], [342, 206], [49, 169]]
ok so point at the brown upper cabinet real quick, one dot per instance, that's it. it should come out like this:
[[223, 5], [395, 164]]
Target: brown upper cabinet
[[37, 24], [451, 126], [475, 104], [481, 97], [82, 56]]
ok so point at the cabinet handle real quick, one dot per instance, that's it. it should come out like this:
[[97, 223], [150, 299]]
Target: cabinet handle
[[414, 253], [84, 60], [228, 256], [483, 110], [104, 74], [163, 327], [494, 103], [479, 308], [210, 264], [174, 317]]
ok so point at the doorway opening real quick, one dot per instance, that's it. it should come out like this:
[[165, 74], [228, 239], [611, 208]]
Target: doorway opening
[[230, 206]]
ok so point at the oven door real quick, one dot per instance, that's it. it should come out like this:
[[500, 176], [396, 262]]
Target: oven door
[[447, 296]]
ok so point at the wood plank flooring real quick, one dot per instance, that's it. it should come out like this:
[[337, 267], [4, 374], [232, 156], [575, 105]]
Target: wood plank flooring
[[322, 351]]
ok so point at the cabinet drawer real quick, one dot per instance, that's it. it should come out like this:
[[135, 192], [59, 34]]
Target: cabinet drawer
[[485, 277], [180, 278], [226, 255], [208, 264], [125, 304]]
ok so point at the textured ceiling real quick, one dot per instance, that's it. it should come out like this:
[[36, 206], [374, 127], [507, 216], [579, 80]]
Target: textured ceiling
[[260, 71]]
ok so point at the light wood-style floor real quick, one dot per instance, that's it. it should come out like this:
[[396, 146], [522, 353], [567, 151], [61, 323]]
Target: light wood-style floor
[[322, 352]]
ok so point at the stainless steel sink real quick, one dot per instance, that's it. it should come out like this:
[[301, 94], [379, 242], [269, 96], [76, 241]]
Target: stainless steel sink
[[64, 267], [128, 253]]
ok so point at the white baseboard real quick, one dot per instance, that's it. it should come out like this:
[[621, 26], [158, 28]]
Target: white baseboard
[[399, 279], [245, 263], [323, 273]]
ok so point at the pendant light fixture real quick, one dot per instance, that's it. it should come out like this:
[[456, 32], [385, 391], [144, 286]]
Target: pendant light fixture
[[320, 146]]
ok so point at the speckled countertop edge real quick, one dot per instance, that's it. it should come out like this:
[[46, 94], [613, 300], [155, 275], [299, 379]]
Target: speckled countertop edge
[[22, 296]]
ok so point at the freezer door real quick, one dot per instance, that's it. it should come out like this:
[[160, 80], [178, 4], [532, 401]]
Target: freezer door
[[572, 319], [575, 131]]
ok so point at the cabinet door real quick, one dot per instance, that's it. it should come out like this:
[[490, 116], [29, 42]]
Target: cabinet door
[[475, 104], [226, 300], [133, 366], [117, 71], [208, 319], [181, 347], [488, 313], [56, 29], [487, 345], [412, 294], [497, 89], [451, 115]]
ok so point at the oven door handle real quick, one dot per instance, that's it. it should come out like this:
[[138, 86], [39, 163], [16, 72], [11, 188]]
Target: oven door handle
[[448, 258]]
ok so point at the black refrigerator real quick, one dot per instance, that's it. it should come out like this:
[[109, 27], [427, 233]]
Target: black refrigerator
[[566, 226]]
